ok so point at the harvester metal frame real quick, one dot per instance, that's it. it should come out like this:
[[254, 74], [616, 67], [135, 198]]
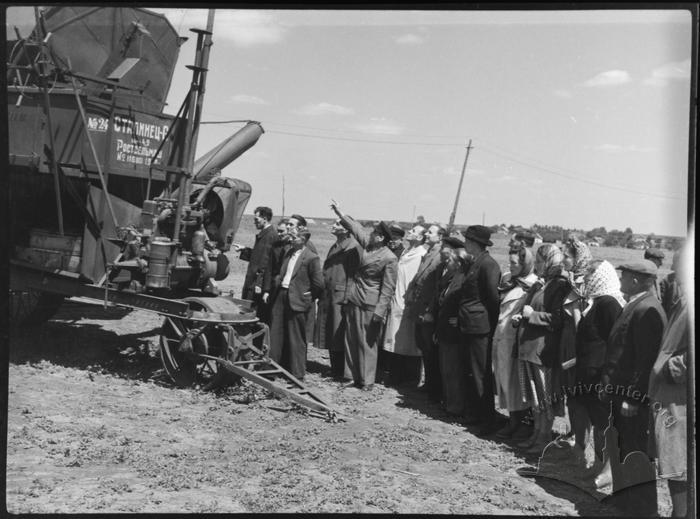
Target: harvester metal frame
[[201, 333]]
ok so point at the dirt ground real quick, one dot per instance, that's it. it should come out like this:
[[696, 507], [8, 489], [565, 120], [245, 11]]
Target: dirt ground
[[94, 426]]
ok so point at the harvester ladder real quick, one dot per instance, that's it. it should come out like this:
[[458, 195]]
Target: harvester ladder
[[281, 382]]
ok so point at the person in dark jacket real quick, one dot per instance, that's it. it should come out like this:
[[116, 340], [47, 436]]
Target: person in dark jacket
[[633, 346], [418, 299], [340, 266], [452, 354], [540, 323], [603, 305], [293, 291], [258, 258], [367, 299], [478, 317], [298, 222]]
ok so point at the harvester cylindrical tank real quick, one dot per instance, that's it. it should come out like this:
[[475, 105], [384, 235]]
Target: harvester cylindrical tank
[[158, 263], [228, 150]]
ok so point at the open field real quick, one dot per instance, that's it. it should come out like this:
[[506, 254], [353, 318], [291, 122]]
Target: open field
[[322, 238], [95, 427]]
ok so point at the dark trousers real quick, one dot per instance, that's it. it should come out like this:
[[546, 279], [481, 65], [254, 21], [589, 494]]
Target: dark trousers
[[262, 310], [431, 359], [480, 384], [288, 344]]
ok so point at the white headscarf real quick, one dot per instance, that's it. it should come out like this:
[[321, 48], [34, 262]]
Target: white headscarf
[[603, 281]]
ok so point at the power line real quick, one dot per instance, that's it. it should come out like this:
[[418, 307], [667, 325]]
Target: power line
[[583, 180], [487, 148], [325, 137]]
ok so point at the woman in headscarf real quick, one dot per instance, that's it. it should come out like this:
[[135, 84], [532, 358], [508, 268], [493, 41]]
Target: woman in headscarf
[[603, 305], [540, 325], [513, 290], [577, 257]]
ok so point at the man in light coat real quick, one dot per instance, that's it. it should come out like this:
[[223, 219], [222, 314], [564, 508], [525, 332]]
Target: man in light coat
[[339, 267], [668, 391], [367, 299]]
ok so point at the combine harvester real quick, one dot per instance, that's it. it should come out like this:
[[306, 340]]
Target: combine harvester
[[107, 201]]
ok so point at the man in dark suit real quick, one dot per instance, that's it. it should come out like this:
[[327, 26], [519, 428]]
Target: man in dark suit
[[293, 291], [297, 221], [340, 265], [367, 299], [633, 345], [418, 298], [258, 258], [478, 317]]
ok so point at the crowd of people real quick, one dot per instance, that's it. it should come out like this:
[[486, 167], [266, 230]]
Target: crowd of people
[[560, 334]]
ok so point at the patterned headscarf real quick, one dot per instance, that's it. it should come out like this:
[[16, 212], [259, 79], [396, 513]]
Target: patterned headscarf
[[553, 260], [603, 281], [582, 257]]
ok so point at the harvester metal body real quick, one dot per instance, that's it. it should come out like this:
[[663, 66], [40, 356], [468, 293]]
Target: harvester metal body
[[106, 198]]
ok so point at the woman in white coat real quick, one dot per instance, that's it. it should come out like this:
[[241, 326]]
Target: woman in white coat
[[513, 290], [402, 353]]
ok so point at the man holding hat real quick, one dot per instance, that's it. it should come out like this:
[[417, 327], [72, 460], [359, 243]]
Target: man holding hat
[[367, 297], [633, 345], [478, 317]]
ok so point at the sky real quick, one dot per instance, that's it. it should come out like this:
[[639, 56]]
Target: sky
[[576, 118]]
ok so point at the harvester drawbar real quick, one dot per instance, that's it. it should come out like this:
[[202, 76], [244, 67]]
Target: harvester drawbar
[[108, 202]]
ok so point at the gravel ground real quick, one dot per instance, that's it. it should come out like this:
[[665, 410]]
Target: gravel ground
[[94, 426]]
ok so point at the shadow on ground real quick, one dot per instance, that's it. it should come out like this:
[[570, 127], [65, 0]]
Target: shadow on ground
[[87, 346]]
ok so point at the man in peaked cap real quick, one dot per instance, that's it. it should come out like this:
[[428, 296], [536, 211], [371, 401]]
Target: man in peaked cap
[[632, 348], [655, 255], [396, 243], [478, 316], [367, 298]]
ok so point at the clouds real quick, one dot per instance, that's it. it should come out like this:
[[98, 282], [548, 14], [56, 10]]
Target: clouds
[[608, 78], [409, 39], [246, 99], [661, 76], [379, 126], [324, 108]]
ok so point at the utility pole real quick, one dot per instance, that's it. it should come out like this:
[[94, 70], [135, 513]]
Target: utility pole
[[459, 189], [283, 213], [483, 218]]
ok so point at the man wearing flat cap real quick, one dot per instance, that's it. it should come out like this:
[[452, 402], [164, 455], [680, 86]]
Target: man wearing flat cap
[[632, 348], [656, 256], [478, 317], [367, 297]]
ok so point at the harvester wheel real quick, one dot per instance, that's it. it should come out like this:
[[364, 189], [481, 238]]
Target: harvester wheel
[[32, 307], [180, 360]]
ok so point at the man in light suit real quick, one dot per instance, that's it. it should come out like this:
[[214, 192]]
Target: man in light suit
[[340, 265], [293, 291], [418, 298], [367, 299], [633, 345]]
